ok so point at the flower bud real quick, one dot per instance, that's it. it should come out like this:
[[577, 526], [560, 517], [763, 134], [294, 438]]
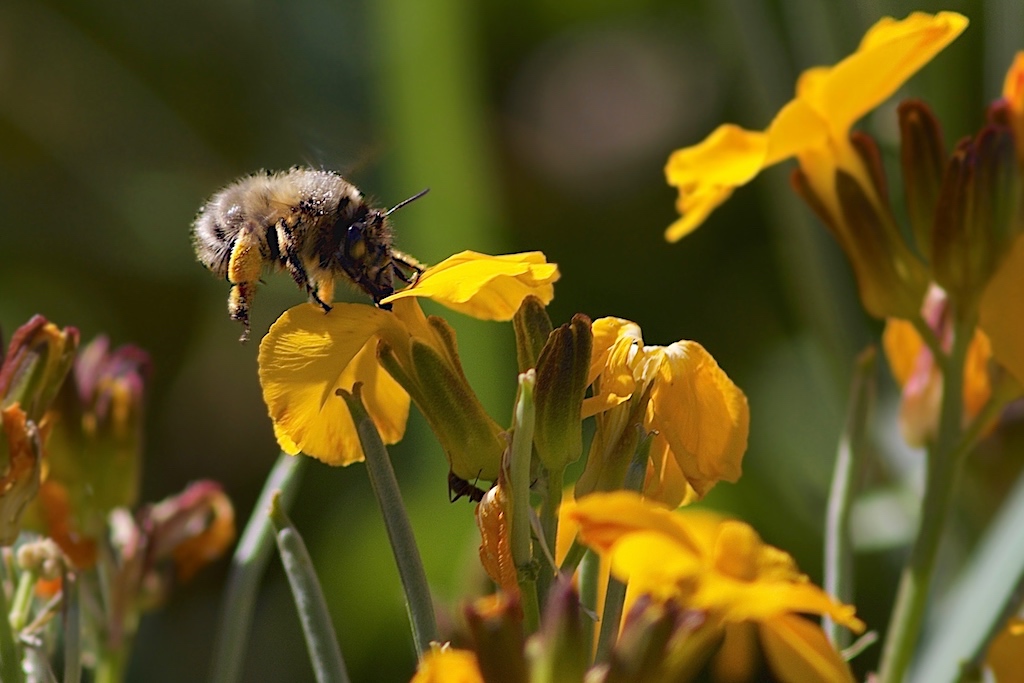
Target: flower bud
[[561, 384], [978, 214], [923, 157], [94, 449], [37, 361], [532, 327], [640, 650], [559, 652], [496, 625]]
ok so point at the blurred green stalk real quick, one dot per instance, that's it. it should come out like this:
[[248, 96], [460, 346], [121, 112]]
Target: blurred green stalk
[[247, 567], [845, 479], [431, 106], [321, 641]]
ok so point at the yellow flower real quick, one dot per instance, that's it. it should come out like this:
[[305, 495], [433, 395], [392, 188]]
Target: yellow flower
[[445, 664], [815, 128], [719, 566], [700, 416], [308, 355], [915, 370]]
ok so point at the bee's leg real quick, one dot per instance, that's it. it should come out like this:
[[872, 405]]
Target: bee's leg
[[290, 259], [402, 262], [244, 269], [238, 305], [315, 295]]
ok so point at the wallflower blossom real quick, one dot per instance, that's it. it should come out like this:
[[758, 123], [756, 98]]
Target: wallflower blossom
[[721, 567], [308, 355], [815, 128], [701, 418]]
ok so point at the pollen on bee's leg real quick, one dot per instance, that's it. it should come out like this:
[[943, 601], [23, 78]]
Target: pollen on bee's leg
[[238, 306]]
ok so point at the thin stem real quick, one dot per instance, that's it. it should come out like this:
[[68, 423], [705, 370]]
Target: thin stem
[[930, 340], [321, 641], [396, 522], [10, 652], [22, 602], [247, 567], [72, 629], [519, 471], [845, 478], [590, 574], [549, 526], [572, 558], [943, 466]]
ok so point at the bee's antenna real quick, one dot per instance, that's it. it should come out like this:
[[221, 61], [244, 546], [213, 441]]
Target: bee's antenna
[[411, 199]]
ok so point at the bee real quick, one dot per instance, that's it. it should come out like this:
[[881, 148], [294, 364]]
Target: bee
[[314, 224]]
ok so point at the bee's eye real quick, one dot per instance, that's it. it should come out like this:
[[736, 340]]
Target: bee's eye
[[355, 233]]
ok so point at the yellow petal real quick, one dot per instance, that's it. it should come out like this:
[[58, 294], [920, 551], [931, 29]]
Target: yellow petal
[[665, 481], [702, 415], [306, 356], [889, 54], [613, 358], [604, 518], [708, 172], [799, 652], [1013, 93], [654, 564], [485, 287], [1006, 653], [1002, 311], [902, 345], [448, 665]]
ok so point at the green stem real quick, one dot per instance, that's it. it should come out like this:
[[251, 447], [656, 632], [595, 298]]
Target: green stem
[[943, 465], [396, 522], [10, 651], [590, 575], [72, 629], [549, 527], [845, 478], [321, 641], [932, 342], [519, 475], [572, 558], [22, 602], [247, 567]]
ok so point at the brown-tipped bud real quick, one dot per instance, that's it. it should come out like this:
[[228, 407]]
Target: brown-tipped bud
[[640, 650], [94, 450], [561, 384], [867, 150], [471, 439], [922, 157], [978, 215], [37, 361], [532, 327], [495, 546], [20, 455], [559, 652], [496, 625], [891, 280]]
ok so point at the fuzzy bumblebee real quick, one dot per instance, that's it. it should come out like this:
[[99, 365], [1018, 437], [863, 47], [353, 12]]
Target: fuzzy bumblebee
[[314, 224]]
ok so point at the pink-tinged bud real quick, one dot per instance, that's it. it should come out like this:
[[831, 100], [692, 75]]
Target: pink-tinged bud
[[37, 361]]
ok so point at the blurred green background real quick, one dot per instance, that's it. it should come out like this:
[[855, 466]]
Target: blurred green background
[[538, 125]]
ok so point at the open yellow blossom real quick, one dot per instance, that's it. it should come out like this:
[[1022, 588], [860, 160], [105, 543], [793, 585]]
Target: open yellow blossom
[[815, 128], [700, 417], [308, 355], [720, 566]]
